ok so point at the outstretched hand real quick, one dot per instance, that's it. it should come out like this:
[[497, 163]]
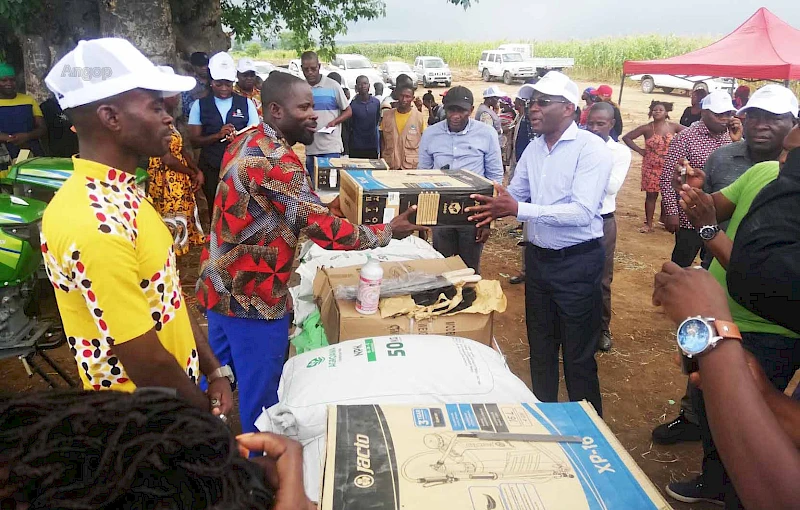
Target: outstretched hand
[[402, 226], [492, 208], [687, 292], [698, 206]]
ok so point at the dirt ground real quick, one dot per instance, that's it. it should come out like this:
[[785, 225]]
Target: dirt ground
[[641, 385]]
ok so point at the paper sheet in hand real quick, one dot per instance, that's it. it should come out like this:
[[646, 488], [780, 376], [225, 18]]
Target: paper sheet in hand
[[326, 130]]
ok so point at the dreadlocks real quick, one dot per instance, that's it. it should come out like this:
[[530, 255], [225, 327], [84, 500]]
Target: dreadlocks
[[71, 449]]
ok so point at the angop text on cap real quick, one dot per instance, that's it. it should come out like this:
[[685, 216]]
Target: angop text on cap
[[86, 73]]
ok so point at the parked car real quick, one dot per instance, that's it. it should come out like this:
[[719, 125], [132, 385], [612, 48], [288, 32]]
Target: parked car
[[351, 66], [668, 83], [263, 68], [432, 71], [517, 64], [391, 70]]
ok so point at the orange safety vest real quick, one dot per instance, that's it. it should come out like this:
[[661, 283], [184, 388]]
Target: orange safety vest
[[401, 150]]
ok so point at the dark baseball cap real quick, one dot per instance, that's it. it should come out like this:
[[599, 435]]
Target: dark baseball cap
[[459, 96], [199, 58]]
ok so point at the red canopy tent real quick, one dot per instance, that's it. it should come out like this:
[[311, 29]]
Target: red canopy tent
[[763, 48]]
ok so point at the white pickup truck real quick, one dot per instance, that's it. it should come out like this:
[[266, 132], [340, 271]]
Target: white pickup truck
[[514, 62]]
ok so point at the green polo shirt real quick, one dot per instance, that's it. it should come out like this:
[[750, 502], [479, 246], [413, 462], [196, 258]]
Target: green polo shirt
[[741, 193]]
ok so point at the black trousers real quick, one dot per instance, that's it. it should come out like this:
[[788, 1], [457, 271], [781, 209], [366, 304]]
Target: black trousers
[[364, 153], [563, 309], [211, 176], [779, 356], [687, 245]]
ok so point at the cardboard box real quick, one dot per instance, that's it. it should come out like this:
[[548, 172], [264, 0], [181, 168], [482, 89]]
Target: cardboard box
[[422, 458], [326, 170], [441, 196], [342, 322]]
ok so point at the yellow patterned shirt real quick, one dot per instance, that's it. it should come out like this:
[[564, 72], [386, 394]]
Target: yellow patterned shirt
[[110, 259]]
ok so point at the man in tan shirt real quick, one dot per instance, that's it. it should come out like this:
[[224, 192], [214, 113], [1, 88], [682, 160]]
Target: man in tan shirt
[[401, 130]]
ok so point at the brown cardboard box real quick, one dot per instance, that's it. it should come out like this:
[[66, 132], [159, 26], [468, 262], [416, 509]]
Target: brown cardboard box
[[469, 457], [342, 322], [369, 198], [326, 170]]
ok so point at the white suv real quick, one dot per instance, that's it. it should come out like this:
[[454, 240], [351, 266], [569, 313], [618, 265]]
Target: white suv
[[508, 65], [432, 71], [350, 67]]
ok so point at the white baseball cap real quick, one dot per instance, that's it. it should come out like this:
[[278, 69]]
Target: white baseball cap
[[773, 98], [101, 68], [555, 83], [718, 101], [245, 65], [525, 92], [493, 91], [221, 67]]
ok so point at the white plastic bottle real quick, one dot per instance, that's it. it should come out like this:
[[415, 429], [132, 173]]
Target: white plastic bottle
[[369, 287]]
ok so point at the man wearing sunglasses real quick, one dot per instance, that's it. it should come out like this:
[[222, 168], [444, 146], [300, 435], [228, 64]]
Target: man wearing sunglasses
[[558, 188]]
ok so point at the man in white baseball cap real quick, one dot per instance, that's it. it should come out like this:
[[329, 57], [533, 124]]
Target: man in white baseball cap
[[246, 85], [215, 119], [558, 188], [106, 250], [487, 111]]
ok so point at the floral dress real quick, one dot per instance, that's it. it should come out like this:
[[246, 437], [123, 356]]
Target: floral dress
[[173, 198], [653, 162]]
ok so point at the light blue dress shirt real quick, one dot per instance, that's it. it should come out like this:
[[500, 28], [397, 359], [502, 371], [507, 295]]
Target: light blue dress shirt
[[223, 107], [475, 148], [560, 191]]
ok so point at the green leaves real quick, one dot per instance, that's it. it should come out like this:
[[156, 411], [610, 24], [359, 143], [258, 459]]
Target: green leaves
[[313, 23], [19, 13]]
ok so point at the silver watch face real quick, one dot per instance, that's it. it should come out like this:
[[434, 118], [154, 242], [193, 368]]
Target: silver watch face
[[694, 336], [708, 232]]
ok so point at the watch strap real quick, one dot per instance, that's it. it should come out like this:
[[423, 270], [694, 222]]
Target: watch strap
[[223, 371], [727, 330]]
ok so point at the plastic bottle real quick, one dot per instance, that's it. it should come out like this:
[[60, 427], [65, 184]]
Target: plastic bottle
[[369, 287]]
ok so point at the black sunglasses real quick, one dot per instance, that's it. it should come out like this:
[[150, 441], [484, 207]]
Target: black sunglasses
[[542, 102]]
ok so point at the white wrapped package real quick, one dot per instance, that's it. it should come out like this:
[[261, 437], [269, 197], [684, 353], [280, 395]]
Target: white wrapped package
[[403, 369]]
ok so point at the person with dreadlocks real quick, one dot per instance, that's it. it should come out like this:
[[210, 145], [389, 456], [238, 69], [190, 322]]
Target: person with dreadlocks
[[146, 449], [657, 135], [106, 250]]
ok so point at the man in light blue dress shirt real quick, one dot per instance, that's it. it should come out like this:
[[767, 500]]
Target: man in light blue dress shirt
[[461, 143], [558, 188]]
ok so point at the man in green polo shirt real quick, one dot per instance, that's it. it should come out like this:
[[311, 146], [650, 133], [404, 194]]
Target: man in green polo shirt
[[776, 347]]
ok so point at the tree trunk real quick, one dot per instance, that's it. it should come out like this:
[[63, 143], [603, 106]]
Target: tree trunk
[[166, 31]]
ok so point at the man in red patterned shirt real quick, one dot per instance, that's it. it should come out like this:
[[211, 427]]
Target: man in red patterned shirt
[[716, 127], [263, 202]]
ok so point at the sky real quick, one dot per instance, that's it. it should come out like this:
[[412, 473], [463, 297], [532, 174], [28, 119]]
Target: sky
[[561, 19]]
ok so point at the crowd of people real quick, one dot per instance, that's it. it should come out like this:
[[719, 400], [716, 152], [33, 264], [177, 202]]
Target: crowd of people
[[728, 175]]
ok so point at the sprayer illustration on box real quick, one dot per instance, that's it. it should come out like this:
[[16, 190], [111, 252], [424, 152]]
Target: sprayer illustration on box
[[452, 458]]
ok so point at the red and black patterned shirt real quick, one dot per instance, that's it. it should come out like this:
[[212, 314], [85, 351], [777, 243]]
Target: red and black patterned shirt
[[263, 201], [695, 143]]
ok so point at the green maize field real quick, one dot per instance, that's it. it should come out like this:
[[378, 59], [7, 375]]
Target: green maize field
[[594, 58]]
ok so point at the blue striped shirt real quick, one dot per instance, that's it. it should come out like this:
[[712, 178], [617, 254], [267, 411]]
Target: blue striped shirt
[[560, 191]]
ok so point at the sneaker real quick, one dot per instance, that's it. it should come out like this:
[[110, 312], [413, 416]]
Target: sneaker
[[678, 430], [606, 341], [516, 280], [695, 491]]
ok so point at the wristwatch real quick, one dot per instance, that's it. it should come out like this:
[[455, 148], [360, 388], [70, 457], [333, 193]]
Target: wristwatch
[[223, 371], [708, 232], [697, 335]]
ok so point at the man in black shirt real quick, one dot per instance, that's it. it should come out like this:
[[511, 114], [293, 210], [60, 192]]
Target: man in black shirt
[[62, 142], [765, 254]]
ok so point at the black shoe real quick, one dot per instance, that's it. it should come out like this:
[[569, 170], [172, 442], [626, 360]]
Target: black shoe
[[678, 430], [606, 341], [695, 491], [516, 280]]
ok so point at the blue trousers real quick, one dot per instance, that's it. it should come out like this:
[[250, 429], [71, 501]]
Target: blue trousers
[[310, 163], [256, 350]]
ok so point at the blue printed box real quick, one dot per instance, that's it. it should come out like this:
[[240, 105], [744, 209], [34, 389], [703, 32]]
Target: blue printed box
[[460, 456]]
